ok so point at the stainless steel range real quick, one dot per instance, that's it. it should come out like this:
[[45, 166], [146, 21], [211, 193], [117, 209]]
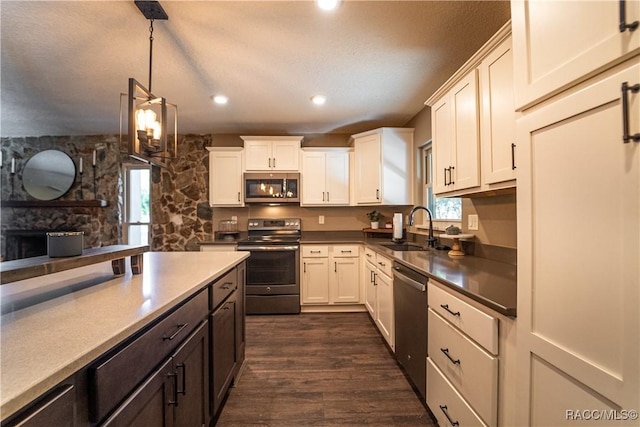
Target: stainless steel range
[[273, 269]]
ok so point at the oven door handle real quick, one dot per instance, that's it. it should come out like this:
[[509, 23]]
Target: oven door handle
[[268, 248]]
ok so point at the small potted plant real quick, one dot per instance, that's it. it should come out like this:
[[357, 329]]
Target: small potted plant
[[374, 217]]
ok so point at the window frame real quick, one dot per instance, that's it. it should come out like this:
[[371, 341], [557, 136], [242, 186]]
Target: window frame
[[127, 168], [428, 198]]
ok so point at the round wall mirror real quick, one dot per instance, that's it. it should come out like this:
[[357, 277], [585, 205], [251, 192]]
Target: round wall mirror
[[48, 175]]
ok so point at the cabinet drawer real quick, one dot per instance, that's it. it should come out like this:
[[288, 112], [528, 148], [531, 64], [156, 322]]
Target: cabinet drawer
[[481, 327], [112, 378], [384, 264], [223, 287], [345, 251], [470, 369], [370, 255], [315, 251], [446, 403]]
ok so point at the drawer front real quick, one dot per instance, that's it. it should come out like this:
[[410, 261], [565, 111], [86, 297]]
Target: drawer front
[[345, 251], [315, 251], [370, 255], [468, 367], [384, 264], [223, 287], [218, 248], [446, 403], [481, 327], [114, 377]]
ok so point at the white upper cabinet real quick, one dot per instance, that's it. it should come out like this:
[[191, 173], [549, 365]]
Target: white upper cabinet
[[473, 123], [272, 153], [225, 176], [325, 176], [497, 115], [559, 43], [384, 167]]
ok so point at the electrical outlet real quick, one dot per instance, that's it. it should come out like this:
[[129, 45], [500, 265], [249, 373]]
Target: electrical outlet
[[321, 219], [472, 222]]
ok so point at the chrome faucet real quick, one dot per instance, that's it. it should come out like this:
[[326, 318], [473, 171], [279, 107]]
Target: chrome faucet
[[431, 241]]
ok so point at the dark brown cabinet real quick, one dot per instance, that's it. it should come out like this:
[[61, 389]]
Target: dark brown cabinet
[[176, 394], [54, 409], [241, 329], [223, 348]]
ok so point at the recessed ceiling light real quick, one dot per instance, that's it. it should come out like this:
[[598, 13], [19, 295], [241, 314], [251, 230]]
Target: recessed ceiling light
[[328, 4], [318, 99], [220, 99]]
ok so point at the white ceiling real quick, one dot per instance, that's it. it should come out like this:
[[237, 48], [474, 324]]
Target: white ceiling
[[64, 64]]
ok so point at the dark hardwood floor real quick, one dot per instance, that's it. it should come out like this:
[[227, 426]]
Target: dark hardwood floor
[[320, 370]]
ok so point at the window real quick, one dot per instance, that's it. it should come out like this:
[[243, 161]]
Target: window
[[137, 204], [449, 208]]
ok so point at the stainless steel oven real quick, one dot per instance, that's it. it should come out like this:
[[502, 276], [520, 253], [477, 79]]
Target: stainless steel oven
[[273, 269]]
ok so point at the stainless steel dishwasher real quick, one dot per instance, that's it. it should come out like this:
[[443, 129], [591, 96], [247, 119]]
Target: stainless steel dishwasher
[[410, 308]]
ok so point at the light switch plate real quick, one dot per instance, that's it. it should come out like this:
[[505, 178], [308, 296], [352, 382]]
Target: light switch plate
[[472, 222], [321, 219]]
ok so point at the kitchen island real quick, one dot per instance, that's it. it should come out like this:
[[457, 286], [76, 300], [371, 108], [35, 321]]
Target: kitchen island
[[89, 312]]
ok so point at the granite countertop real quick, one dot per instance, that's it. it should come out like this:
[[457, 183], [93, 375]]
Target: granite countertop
[[88, 312], [491, 283]]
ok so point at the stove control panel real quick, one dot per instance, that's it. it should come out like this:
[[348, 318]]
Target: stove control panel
[[274, 224]]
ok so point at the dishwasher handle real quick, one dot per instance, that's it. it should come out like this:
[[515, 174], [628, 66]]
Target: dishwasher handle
[[409, 281]]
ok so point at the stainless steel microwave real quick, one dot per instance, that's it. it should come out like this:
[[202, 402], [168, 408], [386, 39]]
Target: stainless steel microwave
[[270, 187]]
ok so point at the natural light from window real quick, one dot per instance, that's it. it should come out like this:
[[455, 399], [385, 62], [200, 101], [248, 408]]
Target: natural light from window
[[138, 203]]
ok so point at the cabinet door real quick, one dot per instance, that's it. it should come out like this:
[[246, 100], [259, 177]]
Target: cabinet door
[[191, 365], [367, 173], [370, 289], [315, 281], [151, 404], [225, 178], [337, 178], [557, 43], [313, 178], [498, 115], [578, 304], [443, 143], [384, 307], [345, 280], [223, 349], [285, 155], [241, 327], [257, 155], [466, 151], [55, 409]]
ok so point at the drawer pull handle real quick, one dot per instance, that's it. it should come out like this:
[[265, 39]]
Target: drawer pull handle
[[443, 408], [227, 285], [175, 334], [315, 252], [184, 379], [446, 307], [446, 353], [623, 26], [382, 264], [626, 136], [346, 252], [174, 402]]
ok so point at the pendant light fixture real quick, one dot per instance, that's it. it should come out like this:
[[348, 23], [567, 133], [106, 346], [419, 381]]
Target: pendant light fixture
[[152, 121]]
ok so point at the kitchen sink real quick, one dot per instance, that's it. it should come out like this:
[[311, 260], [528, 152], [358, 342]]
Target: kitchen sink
[[402, 247]]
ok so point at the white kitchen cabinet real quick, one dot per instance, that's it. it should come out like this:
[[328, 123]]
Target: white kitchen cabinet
[[473, 123], [272, 153], [325, 177], [472, 348], [497, 115], [384, 302], [578, 303], [225, 176], [331, 275], [369, 279], [384, 167], [560, 43]]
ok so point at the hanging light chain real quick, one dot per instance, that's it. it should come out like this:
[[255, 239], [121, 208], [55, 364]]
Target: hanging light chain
[[150, 51]]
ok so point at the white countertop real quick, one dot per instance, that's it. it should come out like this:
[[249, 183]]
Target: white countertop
[[43, 344]]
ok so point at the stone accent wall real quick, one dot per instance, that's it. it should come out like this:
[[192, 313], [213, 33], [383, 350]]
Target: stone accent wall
[[101, 226], [180, 213]]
